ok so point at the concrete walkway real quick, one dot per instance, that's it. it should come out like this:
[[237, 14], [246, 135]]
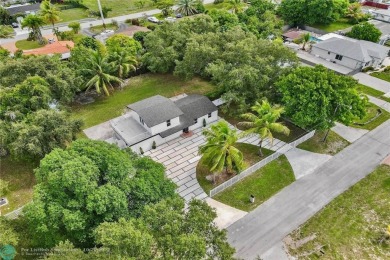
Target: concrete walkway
[[226, 215], [305, 162], [267, 225], [350, 134], [380, 103], [372, 82]]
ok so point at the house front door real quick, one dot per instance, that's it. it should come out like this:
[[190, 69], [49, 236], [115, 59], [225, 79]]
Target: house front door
[[185, 130]]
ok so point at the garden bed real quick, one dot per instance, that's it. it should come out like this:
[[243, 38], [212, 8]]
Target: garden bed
[[251, 157], [373, 118], [28, 45]]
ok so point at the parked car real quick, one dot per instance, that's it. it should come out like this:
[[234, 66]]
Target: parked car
[[170, 19], [153, 19], [107, 33], [15, 25], [179, 15]]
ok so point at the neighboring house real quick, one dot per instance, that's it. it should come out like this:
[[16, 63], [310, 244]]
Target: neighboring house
[[159, 119], [23, 8], [292, 35], [351, 53]]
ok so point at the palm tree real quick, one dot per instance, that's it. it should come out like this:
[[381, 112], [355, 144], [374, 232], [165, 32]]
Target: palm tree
[[219, 152], [236, 5], [100, 70], [124, 63], [49, 12], [187, 7], [34, 24], [263, 122], [305, 39]]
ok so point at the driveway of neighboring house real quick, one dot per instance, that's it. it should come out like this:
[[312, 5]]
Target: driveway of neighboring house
[[372, 82]]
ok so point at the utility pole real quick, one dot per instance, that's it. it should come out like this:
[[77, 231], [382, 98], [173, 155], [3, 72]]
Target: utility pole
[[101, 14]]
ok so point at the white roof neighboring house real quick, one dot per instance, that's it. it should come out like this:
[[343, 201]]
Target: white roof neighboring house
[[359, 50]]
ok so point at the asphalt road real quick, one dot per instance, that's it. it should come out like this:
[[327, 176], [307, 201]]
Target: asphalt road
[[266, 226]]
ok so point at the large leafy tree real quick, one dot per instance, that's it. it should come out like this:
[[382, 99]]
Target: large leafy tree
[[263, 122], [365, 31], [62, 80], [187, 7], [224, 19], [101, 73], [87, 184], [119, 42], [41, 132], [354, 13], [31, 95], [219, 152], [34, 23], [8, 236], [317, 97], [164, 231], [49, 13], [5, 17]]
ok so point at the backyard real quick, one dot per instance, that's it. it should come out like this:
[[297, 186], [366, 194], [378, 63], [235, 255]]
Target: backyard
[[262, 184], [251, 156], [352, 226], [333, 144], [335, 26], [21, 179], [138, 88]]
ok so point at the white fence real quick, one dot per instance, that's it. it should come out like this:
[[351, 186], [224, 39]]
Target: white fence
[[260, 164]]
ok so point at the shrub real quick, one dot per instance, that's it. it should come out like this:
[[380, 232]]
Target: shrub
[[141, 151], [66, 36], [387, 69], [140, 36], [135, 22], [369, 68], [151, 27], [75, 26], [154, 146]]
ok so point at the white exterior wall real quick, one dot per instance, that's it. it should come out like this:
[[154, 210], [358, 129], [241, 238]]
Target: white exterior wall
[[214, 117], [347, 62], [163, 126]]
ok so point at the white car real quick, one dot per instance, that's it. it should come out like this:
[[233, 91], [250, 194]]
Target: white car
[[153, 19], [170, 19], [107, 32]]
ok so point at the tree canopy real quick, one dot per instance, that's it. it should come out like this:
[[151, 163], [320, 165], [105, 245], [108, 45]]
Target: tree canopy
[[365, 31], [317, 97], [89, 183]]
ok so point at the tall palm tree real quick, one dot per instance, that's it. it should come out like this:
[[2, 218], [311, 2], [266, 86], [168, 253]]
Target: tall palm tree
[[219, 152], [305, 39], [236, 6], [101, 73], [34, 24], [187, 7], [49, 13], [123, 63], [263, 122]]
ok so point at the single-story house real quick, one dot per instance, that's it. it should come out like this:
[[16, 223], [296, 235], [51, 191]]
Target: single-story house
[[351, 53], [23, 8], [292, 35], [159, 119]]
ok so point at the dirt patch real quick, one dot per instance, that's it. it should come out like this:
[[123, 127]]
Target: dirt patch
[[386, 161]]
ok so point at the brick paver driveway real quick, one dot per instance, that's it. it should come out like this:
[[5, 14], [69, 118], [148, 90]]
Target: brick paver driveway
[[180, 157]]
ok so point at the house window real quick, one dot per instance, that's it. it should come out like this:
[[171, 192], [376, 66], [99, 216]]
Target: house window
[[168, 122], [141, 120], [328, 52], [195, 120], [339, 57], [209, 115]]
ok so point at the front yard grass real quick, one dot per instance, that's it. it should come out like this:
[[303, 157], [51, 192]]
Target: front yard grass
[[138, 88], [28, 45], [334, 143], [72, 14], [372, 92], [262, 184], [372, 111], [382, 75], [335, 26], [251, 156], [352, 225], [21, 179]]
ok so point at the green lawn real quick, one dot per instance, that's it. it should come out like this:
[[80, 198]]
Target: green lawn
[[384, 75], [263, 184], [21, 180], [100, 28], [372, 111], [251, 156], [352, 225], [372, 92], [224, 6], [334, 143], [335, 26], [73, 14], [139, 87], [28, 45]]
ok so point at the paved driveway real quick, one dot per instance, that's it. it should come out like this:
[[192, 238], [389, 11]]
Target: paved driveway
[[372, 82]]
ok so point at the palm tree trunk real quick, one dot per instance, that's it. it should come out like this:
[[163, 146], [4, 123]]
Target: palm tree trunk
[[260, 151], [304, 45]]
